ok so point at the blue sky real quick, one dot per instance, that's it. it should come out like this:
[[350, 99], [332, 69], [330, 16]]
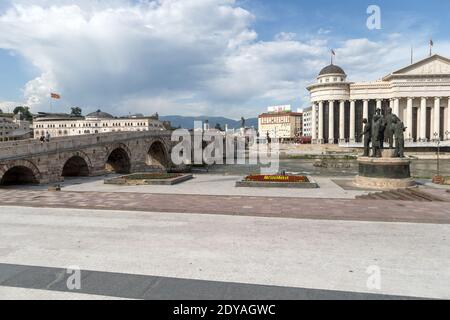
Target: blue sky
[[193, 57], [347, 18]]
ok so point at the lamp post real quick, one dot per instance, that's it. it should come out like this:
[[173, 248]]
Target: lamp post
[[438, 142]]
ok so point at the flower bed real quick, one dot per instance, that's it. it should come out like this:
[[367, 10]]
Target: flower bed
[[277, 178], [137, 179], [277, 181], [152, 176]]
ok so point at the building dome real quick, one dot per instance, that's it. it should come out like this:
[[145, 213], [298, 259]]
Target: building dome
[[331, 69], [99, 114]]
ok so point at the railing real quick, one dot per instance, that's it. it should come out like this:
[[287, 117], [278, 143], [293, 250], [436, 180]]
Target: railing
[[429, 144], [24, 148]]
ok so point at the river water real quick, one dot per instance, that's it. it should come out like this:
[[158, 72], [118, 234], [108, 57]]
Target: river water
[[337, 168]]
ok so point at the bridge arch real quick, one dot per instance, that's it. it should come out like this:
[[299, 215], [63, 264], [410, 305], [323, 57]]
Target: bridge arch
[[157, 155], [76, 165], [118, 159], [19, 172]]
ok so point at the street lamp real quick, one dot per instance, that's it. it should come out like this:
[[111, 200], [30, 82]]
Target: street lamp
[[438, 142]]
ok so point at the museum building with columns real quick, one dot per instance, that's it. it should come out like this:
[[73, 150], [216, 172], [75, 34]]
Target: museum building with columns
[[418, 94]]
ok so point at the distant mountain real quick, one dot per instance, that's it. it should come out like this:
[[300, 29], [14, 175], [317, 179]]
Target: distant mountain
[[188, 122]]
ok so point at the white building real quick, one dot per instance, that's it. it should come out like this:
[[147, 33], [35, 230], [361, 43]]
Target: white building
[[285, 126], [14, 128], [307, 122], [62, 125], [418, 94]]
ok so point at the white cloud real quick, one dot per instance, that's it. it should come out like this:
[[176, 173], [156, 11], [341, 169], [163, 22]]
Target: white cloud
[[173, 56], [8, 106]]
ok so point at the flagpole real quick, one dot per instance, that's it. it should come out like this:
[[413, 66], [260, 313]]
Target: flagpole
[[431, 47]]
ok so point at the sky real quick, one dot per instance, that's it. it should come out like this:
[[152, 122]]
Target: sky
[[228, 58]]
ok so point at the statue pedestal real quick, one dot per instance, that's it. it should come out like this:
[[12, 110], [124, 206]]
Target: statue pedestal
[[388, 153], [384, 173]]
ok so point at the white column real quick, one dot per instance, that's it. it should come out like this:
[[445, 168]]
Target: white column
[[437, 118], [331, 122], [366, 109], [342, 122], [379, 104], [313, 123], [423, 119], [396, 109], [409, 119], [320, 122], [353, 121], [418, 124], [448, 119]]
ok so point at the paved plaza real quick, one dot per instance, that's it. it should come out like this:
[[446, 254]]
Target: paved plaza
[[194, 241], [214, 185], [282, 254]]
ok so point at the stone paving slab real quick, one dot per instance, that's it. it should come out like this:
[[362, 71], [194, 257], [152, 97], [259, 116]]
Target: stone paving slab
[[133, 286], [297, 208]]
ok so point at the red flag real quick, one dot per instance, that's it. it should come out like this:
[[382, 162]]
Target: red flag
[[55, 96]]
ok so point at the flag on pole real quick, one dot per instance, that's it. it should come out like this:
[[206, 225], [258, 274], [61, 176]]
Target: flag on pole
[[333, 54], [55, 96], [431, 47]]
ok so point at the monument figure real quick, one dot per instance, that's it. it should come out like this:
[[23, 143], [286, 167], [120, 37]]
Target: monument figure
[[399, 134], [367, 135], [377, 127], [389, 128], [242, 122], [387, 170], [379, 112]]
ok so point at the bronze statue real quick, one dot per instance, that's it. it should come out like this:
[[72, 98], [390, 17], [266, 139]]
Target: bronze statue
[[389, 128], [242, 122], [367, 132], [377, 127], [399, 133]]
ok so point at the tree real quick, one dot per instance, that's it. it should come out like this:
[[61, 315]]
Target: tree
[[218, 127], [76, 112], [25, 111], [1, 111]]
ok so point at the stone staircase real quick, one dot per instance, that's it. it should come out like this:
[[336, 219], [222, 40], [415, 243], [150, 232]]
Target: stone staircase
[[409, 194]]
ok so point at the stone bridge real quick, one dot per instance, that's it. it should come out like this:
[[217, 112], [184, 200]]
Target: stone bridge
[[33, 162]]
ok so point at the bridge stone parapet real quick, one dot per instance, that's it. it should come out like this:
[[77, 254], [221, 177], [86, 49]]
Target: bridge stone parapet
[[32, 161]]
